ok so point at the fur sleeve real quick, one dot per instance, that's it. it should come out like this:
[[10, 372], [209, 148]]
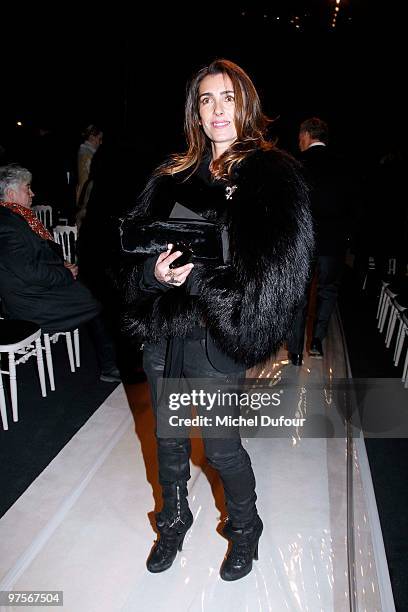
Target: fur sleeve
[[249, 305], [152, 313]]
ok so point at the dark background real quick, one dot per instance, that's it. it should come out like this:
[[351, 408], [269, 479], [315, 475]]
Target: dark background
[[66, 69]]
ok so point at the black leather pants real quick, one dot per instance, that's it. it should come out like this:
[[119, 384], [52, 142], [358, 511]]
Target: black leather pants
[[227, 456]]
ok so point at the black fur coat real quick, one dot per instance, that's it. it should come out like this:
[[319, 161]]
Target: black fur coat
[[248, 304]]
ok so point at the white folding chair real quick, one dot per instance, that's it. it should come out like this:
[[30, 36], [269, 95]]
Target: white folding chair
[[44, 213], [19, 338], [66, 236], [48, 354]]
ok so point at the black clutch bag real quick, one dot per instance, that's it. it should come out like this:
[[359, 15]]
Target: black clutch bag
[[203, 239]]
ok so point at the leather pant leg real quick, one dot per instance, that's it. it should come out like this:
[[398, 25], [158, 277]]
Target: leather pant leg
[[226, 455], [173, 453], [233, 464]]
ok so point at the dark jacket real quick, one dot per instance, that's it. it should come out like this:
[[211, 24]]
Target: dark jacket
[[34, 284], [333, 198], [246, 305]]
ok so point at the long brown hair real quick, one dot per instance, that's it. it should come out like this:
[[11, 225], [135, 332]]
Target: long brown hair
[[250, 124]]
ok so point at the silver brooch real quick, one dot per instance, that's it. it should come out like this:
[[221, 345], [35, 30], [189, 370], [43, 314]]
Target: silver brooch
[[229, 191]]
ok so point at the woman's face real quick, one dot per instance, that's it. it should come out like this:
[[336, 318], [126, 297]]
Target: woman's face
[[21, 194], [217, 111]]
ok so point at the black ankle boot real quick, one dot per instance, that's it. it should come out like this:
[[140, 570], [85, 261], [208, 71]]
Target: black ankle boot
[[172, 523], [172, 532], [244, 549]]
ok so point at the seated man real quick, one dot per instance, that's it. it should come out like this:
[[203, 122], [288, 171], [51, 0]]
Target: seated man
[[35, 282]]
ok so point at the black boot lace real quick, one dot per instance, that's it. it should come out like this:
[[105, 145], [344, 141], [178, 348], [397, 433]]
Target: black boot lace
[[240, 552]]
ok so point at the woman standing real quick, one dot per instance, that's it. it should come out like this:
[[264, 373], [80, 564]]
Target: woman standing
[[214, 321]]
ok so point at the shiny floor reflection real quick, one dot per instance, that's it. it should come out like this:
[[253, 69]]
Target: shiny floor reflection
[[84, 525]]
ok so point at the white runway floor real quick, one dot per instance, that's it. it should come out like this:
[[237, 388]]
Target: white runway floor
[[83, 525]]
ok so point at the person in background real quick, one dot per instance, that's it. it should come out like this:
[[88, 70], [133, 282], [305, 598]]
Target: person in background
[[332, 196], [215, 320], [98, 248], [93, 136], [35, 283]]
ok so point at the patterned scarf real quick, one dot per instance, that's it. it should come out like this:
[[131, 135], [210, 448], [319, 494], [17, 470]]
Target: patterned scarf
[[31, 218]]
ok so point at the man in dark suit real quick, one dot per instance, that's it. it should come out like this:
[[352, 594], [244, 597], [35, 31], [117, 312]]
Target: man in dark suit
[[332, 195], [35, 282]]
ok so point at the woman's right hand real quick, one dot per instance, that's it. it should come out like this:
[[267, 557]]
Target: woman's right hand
[[171, 276]]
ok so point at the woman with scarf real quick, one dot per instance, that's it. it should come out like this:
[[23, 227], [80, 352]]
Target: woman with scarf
[[35, 282], [214, 320]]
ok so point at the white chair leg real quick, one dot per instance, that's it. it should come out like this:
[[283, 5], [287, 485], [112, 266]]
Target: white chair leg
[[384, 301], [70, 351], [13, 386], [391, 327], [381, 311], [3, 408], [383, 317], [380, 301], [76, 347], [405, 372], [40, 366], [48, 357], [400, 342]]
